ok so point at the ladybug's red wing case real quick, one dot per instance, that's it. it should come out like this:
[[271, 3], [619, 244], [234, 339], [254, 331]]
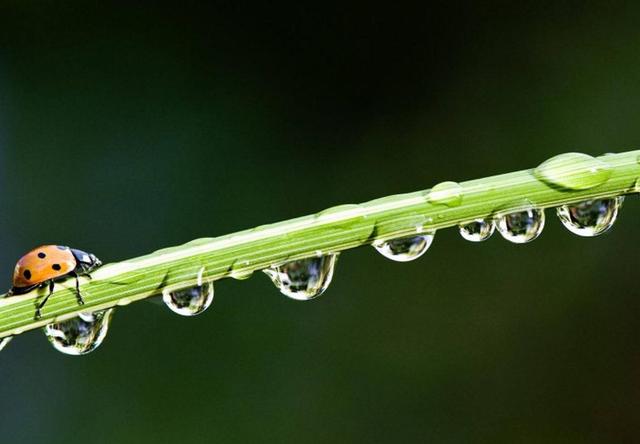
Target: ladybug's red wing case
[[42, 264]]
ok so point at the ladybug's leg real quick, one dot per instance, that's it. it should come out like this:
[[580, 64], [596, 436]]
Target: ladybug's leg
[[78, 294], [84, 270], [44, 301]]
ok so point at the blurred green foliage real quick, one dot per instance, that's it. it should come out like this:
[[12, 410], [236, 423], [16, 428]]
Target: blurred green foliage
[[127, 128]]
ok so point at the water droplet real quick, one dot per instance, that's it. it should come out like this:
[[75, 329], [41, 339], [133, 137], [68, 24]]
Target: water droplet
[[349, 217], [573, 171], [4, 341], [303, 279], [239, 270], [478, 230], [591, 217], [124, 301], [189, 301], [447, 193], [345, 210], [521, 226], [79, 335], [637, 186], [407, 248], [241, 275]]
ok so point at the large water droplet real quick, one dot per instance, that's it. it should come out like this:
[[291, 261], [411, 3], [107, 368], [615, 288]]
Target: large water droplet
[[447, 193], [573, 171], [79, 335], [4, 341], [189, 301], [521, 226], [478, 230], [591, 217], [407, 248], [303, 279]]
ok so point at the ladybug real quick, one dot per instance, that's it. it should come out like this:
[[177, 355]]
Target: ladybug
[[45, 265]]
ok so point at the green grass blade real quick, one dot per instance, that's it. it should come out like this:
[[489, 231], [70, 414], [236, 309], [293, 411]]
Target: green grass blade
[[332, 230]]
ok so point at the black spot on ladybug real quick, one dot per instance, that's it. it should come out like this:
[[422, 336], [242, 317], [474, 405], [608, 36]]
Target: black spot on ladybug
[[27, 274], [41, 255], [56, 267]]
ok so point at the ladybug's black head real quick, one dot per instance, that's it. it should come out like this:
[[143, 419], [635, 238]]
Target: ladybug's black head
[[86, 261]]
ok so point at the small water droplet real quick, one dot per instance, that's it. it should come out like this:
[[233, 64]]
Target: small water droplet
[[345, 209], [303, 279], [189, 301], [350, 217], [591, 217], [447, 193], [4, 341], [124, 301], [79, 335], [573, 171], [478, 230], [521, 226], [405, 249], [239, 270], [241, 275]]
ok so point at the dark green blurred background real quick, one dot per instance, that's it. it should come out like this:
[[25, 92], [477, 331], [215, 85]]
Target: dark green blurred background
[[124, 129]]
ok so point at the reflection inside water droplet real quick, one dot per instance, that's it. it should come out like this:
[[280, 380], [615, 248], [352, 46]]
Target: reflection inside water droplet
[[79, 335], [303, 279], [405, 249], [5, 341], [591, 217], [478, 230], [521, 226], [189, 301]]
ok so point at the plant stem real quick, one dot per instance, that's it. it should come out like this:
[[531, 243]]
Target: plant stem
[[336, 229]]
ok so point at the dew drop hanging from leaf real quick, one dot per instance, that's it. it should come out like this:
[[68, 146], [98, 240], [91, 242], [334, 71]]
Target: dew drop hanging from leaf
[[79, 335], [303, 279], [591, 217], [405, 249], [521, 226], [189, 301]]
